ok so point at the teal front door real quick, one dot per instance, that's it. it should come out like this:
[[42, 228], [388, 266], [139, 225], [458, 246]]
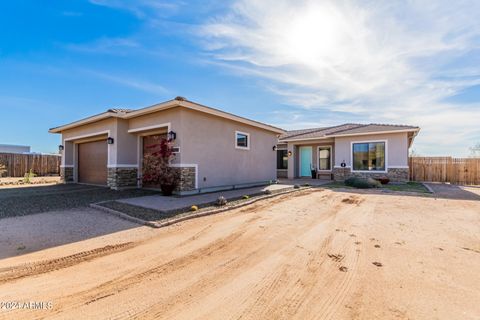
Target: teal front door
[[305, 161]]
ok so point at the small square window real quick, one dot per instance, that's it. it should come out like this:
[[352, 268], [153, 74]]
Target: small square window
[[242, 140]]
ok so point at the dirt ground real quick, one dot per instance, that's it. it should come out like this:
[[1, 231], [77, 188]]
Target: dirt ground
[[318, 254]]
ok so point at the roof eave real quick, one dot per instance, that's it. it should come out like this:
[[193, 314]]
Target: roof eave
[[167, 105], [198, 107], [82, 122], [374, 132], [351, 135]]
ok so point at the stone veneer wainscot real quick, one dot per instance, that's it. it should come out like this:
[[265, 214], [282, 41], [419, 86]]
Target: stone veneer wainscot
[[394, 174], [187, 179], [66, 174], [119, 178]]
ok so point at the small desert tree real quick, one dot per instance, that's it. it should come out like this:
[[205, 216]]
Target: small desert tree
[[475, 151], [413, 153], [3, 169], [157, 169]]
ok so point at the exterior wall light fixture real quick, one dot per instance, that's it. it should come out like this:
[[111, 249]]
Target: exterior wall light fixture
[[172, 135]]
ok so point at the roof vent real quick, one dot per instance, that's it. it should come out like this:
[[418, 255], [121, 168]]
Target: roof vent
[[180, 98]]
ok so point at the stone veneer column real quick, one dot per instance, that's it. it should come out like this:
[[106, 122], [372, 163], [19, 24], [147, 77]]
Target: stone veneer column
[[66, 174], [119, 178]]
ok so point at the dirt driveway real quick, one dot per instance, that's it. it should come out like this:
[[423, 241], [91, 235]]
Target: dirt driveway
[[313, 255]]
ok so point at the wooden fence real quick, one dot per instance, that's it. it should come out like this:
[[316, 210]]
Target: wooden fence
[[16, 165], [445, 169]]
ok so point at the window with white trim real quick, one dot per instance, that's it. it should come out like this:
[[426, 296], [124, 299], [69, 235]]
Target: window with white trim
[[368, 156], [324, 158], [242, 140]]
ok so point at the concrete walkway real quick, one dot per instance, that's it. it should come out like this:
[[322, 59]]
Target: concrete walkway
[[162, 203]]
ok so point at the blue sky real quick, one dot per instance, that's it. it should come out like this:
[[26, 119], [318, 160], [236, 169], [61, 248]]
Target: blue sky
[[294, 64]]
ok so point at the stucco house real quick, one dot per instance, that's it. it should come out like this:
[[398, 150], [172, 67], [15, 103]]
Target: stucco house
[[213, 149], [339, 152], [218, 150]]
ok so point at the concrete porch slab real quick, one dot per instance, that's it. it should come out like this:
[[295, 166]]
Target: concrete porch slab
[[162, 203]]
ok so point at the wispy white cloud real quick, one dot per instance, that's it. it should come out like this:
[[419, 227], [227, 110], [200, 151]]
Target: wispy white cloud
[[143, 8], [105, 45], [367, 60], [72, 13], [127, 81]]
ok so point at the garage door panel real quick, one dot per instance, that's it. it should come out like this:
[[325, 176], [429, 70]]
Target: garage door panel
[[92, 162]]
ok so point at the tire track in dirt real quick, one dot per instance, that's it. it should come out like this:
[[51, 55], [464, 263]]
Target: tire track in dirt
[[272, 287], [122, 283], [275, 282], [207, 282], [205, 255], [304, 288], [351, 250], [225, 271], [37, 268]]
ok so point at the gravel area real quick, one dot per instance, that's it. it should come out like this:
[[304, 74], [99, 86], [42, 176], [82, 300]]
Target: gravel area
[[37, 232], [25, 201], [148, 214], [181, 209], [138, 212]]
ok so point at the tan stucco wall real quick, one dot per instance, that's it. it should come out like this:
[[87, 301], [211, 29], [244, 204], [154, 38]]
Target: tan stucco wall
[[209, 142], [170, 117], [204, 140], [397, 148], [87, 131], [125, 144]]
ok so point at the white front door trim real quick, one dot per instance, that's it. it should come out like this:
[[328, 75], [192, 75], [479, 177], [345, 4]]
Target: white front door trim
[[318, 157]]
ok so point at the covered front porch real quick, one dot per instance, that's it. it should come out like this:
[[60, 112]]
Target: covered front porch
[[306, 160]]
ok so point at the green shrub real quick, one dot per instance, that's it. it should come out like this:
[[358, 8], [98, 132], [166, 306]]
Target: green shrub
[[28, 176], [193, 208], [246, 197], [351, 181], [374, 183], [362, 183]]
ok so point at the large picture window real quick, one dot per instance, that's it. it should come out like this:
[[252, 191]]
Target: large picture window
[[368, 156], [282, 159]]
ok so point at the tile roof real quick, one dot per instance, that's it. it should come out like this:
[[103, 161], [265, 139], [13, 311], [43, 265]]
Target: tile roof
[[119, 110], [344, 129]]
